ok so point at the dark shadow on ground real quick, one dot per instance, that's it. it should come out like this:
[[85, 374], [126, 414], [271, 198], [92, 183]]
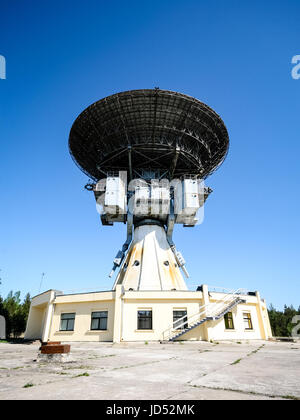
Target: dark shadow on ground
[[19, 341]]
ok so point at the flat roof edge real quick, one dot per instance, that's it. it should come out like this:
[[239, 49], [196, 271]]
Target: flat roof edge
[[84, 293]]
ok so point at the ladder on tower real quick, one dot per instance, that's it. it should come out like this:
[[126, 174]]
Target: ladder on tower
[[209, 312]]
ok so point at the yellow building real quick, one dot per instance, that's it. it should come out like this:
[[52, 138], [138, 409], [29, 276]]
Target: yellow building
[[149, 302], [126, 315]]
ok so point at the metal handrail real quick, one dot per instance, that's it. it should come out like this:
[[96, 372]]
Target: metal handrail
[[216, 309], [213, 288], [227, 299], [168, 333], [239, 291]]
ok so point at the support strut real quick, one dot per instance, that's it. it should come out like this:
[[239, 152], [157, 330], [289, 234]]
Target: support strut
[[121, 254]]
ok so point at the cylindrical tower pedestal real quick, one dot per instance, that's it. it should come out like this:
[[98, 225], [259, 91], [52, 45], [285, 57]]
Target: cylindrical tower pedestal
[[150, 263]]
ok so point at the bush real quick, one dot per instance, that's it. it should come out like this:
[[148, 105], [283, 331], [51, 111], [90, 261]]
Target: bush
[[281, 321], [15, 313]]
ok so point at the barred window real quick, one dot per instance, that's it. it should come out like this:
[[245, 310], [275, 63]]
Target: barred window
[[144, 320], [99, 320], [67, 322], [247, 321], [228, 318], [180, 323]]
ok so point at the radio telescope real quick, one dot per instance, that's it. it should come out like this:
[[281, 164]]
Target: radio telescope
[[148, 152]]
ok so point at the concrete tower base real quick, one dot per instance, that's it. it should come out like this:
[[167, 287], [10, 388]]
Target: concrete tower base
[[150, 263]]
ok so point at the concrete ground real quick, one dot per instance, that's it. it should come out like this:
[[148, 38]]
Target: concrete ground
[[138, 371]]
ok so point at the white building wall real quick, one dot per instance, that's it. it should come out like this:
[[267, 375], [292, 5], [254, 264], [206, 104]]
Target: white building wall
[[217, 330], [82, 328], [162, 318], [122, 307]]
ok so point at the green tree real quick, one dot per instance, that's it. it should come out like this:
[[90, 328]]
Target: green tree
[[15, 313], [26, 305], [281, 321], [4, 313], [289, 313]]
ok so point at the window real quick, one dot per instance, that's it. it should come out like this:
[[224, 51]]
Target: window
[[67, 322], [99, 320], [229, 321], [247, 321], [180, 323], [144, 320]]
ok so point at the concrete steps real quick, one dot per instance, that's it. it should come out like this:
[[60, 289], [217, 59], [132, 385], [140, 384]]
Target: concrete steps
[[208, 318]]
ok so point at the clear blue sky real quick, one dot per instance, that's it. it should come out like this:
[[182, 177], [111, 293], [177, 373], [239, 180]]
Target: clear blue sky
[[235, 56]]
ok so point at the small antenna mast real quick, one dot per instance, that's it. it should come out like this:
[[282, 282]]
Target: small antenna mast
[[42, 277]]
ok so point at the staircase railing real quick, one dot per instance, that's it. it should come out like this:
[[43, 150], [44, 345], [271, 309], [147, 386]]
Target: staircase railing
[[209, 310], [181, 322], [218, 307]]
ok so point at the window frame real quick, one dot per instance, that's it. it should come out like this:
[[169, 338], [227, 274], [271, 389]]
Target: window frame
[[143, 318], [70, 319], [185, 325], [247, 317], [228, 321], [99, 321]]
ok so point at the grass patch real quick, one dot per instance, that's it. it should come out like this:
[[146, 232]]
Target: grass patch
[[236, 362], [100, 357], [290, 397], [140, 364], [286, 397], [82, 374], [123, 367], [77, 367], [255, 351], [146, 342], [29, 385]]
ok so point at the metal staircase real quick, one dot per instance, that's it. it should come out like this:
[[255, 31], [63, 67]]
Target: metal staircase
[[209, 312]]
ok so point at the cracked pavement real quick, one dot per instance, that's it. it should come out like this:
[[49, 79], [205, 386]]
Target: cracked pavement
[[139, 371]]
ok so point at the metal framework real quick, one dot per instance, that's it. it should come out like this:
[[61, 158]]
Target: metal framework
[[148, 129]]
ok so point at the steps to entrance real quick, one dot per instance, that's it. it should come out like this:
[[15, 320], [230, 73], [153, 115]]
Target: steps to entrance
[[208, 318], [209, 312]]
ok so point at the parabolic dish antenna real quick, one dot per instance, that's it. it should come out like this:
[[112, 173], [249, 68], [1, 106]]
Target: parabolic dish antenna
[[160, 130]]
